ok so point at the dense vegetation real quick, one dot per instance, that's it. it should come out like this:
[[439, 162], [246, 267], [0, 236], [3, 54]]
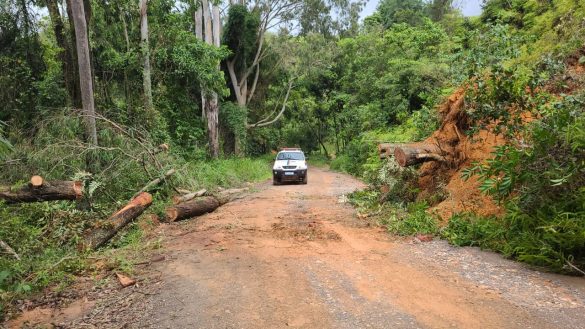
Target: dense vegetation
[[285, 73]]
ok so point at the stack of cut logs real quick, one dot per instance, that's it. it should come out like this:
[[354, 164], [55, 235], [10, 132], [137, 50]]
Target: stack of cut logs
[[411, 154], [187, 205]]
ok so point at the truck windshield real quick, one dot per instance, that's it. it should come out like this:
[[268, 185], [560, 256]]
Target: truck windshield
[[290, 156]]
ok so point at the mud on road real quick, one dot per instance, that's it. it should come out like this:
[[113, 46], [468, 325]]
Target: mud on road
[[295, 256]]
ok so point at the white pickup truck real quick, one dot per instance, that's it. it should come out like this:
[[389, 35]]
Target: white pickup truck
[[290, 166]]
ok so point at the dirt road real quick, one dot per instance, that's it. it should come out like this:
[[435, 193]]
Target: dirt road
[[295, 256]]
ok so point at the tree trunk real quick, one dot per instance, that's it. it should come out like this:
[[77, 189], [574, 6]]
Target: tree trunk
[[211, 100], [145, 49], [336, 126], [195, 207], [199, 35], [74, 72], [119, 220], [126, 83], [409, 155], [386, 150], [65, 52], [85, 76], [207, 28], [212, 110], [320, 138], [37, 191]]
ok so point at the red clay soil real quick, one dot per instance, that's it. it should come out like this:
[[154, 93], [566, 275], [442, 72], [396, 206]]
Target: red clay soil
[[460, 152]]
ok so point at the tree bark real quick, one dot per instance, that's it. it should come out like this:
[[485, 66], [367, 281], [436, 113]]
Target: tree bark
[[195, 207], [119, 220], [386, 150], [74, 72], [126, 83], [412, 154], [45, 191], [198, 18], [210, 100], [65, 52], [145, 49], [85, 77]]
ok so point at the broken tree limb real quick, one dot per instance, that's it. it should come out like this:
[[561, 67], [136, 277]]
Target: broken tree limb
[[386, 150], [193, 208], [231, 191], [117, 221], [265, 122], [155, 182], [9, 249], [39, 190], [189, 196], [412, 154], [159, 149]]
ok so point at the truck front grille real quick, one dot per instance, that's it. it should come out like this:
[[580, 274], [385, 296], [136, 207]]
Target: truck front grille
[[289, 167]]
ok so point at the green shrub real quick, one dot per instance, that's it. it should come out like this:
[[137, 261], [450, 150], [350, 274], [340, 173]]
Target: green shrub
[[539, 174], [466, 229], [415, 220], [44, 236], [537, 240]]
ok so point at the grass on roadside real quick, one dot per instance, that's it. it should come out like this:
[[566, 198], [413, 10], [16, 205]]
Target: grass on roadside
[[45, 235], [398, 218]]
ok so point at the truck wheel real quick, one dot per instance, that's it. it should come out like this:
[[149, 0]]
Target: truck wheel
[[304, 182], [275, 181]]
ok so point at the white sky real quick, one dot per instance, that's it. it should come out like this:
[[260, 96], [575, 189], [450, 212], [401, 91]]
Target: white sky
[[468, 7]]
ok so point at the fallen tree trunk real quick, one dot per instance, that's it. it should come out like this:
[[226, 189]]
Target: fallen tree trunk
[[195, 207], [39, 190], [189, 196], [155, 182], [385, 150], [117, 221], [412, 154]]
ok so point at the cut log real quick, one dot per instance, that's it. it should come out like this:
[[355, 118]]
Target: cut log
[[193, 208], [36, 181], [117, 221], [412, 154], [385, 150], [155, 182], [39, 190], [189, 196]]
